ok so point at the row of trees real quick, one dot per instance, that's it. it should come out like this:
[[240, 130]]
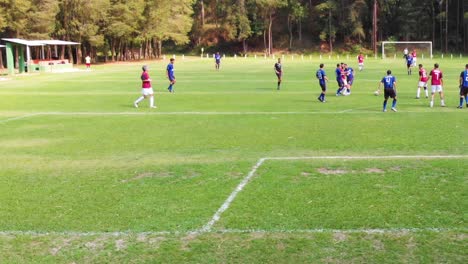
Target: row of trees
[[133, 29]]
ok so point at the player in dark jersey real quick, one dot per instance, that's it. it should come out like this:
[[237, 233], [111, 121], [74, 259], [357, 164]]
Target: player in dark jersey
[[217, 58], [464, 87], [339, 80], [389, 83], [171, 75], [409, 63], [349, 79], [279, 72], [322, 77]]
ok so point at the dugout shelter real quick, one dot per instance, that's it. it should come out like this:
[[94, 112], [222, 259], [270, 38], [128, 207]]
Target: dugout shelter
[[42, 60]]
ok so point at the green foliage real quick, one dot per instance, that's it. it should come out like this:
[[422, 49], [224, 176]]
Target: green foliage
[[146, 25]]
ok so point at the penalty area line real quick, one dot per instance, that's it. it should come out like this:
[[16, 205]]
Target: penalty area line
[[227, 203], [4, 121]]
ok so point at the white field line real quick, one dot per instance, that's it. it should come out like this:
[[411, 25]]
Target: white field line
[[344, 231], [235, 231], [208, 226], [372, 157], [346, 112], [18, 118]]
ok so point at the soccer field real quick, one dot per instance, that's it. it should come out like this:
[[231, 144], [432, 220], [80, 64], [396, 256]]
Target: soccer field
[[230, 170]]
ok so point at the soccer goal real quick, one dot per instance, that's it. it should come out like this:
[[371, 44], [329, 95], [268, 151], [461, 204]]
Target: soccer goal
[[396, 49]]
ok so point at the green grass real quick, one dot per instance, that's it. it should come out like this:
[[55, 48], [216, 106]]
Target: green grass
[[86, 178]]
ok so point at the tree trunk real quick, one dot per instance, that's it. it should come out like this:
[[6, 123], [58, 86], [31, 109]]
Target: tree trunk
[[433, 24], [70, 54], [244, 46], [265, 42], [113, 50], [329, 31], [159, 48], [446, 26], [202, 13], [1, 60], [300, 31], [290, 31], [458, 24], [270, 34]]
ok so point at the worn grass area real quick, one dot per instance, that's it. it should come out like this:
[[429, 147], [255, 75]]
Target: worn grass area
[[86, 178]]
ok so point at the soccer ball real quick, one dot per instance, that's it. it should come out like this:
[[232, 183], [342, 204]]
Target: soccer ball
[[376, 93]]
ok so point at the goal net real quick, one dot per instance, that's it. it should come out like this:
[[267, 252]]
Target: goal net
[[396, 49]]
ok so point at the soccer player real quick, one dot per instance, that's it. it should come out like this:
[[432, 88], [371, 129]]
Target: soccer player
[[405, 53], [422, 81], [279, 72], [389, 82], [344, 78], [349, 78], [339, 80], [437, 83], [323, 79], [413, 54], [360, 59], [217, 58], [409, 63], [88, 62], [146, 89], [171, 75], [464, 87]]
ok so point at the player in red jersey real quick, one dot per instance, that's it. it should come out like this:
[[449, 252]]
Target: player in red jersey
[[344, 78], [360, 59], [422, 81], [437, 83], [414, 55], [146, 89]]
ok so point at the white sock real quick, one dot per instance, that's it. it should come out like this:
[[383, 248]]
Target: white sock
[[432, 103], [442, 102], [151, 101], [425, 90], [419, 92], [141, 98]]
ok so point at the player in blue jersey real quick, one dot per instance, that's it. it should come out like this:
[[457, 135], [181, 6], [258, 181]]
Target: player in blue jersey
[[409, 63], [349, 78], [389, 83], [464, 87], [323, 79], [217, 58], [171, 75], [339, 80], [279, 73]]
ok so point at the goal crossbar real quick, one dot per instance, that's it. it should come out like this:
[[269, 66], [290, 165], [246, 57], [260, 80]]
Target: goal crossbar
[[405, 42]]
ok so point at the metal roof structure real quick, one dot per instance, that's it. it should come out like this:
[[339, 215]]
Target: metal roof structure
[[32, 43], [2, 46]]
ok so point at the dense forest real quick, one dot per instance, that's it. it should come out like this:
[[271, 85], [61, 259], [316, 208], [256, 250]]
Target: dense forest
[[143, 29]]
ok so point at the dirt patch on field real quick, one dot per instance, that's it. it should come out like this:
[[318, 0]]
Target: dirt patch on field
[[331, 171], [339, 237], [120, 244], [374, 170], [305, 174], [59, 245], [186, 240], [145, 175], [397, 168]]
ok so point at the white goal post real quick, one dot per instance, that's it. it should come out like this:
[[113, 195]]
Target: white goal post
[[410, 45]]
